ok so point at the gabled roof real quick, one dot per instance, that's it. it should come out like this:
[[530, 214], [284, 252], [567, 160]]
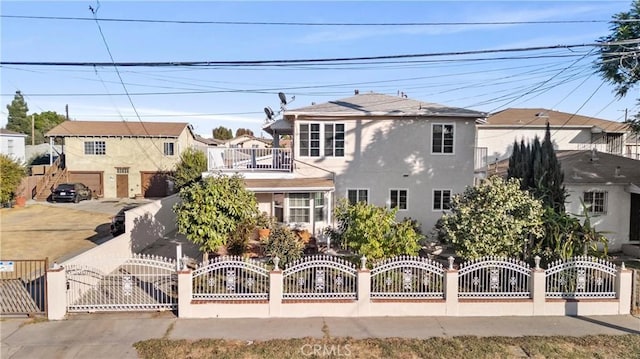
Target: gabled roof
[[538, 117], [245, 137], [375, 104], [209, 141], [4, 131], [118, 128]]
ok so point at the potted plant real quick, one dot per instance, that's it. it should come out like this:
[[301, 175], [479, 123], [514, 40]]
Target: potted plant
[[264, 223]]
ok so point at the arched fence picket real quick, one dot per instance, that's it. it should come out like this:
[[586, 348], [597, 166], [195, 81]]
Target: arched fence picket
[[231, 278], [407, 277], [581, 277], [320, 277], [494, 277]]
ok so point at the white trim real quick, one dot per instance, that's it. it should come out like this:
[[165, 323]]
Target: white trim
[[433, 199], [407, 201], [453, 150]]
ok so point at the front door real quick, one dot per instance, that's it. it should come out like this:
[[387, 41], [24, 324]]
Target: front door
[[634, 223], [122, 185]]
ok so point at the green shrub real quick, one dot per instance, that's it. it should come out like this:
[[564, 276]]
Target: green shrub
[[11, 174], [284, 244]]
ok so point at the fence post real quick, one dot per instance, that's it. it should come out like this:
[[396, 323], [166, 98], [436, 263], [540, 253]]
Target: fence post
[[275, 290], [185, 293], [451, 289], [623, 289], [538, 288], [56, 292], [364, 289]]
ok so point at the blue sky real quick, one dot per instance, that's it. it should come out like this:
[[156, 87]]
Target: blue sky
[[235, 97]]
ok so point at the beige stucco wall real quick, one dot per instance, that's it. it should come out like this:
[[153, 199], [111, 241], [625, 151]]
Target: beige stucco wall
[[139, 154], [386, 154], [615, 223]]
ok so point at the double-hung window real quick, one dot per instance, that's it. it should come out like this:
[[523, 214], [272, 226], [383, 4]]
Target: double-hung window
[[317, 140], [442, 140], [95, 148], [596, 202], [169, 149], [441, 199], [358, 195], [398, 199], [299, 208]]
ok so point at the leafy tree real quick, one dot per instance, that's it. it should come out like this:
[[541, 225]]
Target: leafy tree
[[493, 218], [45, 121], [17, 120], [212, 209], [192, 163], [374, 232], [11, 174], [243, 131], [618, 61], [222, 133]]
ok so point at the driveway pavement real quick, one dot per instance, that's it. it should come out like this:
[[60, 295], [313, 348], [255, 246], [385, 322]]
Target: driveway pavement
[[113, 335]]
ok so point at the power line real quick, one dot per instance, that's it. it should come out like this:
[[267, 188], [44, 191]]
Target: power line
[[284, 23], [301, 61]]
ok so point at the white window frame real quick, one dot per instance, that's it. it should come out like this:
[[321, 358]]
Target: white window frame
[[320, 144], [442, 145], [433, 198], [590, 204], [170, 146], [398, 199], [358, 199], [95, 147], [307, 207]]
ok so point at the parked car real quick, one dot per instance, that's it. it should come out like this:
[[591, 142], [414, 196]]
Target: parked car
[[75, 192], [117, 222]]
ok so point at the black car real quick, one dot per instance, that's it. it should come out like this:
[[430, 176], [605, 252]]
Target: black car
[[75, 192], [117, 222]]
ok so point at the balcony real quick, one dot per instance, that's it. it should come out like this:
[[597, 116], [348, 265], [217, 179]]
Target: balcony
[[249, 159]]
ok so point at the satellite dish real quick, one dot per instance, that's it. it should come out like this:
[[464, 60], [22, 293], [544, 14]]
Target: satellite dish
[[283, 98], [269, 112]]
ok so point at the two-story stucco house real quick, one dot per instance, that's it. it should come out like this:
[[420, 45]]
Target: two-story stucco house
[[12, 145], [123, 159], [385, 150], [569, 132]]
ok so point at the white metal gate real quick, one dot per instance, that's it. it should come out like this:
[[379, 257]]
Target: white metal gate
[[140, 283]]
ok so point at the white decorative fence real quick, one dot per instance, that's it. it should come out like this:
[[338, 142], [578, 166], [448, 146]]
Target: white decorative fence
[[231, 278], [581, 277], [494, 277], [407, 277], [323, 285], [319, 277]]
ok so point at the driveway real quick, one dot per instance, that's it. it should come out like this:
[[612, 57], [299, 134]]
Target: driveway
[[56, 230]]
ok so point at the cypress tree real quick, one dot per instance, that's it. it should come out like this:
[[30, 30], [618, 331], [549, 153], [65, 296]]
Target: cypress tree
[[554, 176], [515, 162]]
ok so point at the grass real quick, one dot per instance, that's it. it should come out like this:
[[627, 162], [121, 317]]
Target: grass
[[596, 346]]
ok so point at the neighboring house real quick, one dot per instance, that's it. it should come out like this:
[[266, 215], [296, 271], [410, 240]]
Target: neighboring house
[[568, 132], [609, 185], [123, 159], [12, 145], [632, 147], [247, 141], [384, 150]]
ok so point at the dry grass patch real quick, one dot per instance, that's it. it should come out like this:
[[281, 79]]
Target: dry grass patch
[[601, 346]]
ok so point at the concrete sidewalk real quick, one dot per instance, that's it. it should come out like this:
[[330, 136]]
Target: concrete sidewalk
[[113, 335]]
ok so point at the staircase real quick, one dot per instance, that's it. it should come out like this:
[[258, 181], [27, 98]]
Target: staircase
[[52, 177]]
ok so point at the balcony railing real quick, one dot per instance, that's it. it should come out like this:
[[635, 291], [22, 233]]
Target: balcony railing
[[249, 159]]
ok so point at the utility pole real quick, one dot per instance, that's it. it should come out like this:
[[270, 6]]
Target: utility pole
[[33, 131], [66, 109]]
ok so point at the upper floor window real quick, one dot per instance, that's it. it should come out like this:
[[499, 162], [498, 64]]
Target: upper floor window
[[596, 202], [316, 139], [398, 199], [169, 149], [358, 195], [442, 140], [95, 148], [441, 199]]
